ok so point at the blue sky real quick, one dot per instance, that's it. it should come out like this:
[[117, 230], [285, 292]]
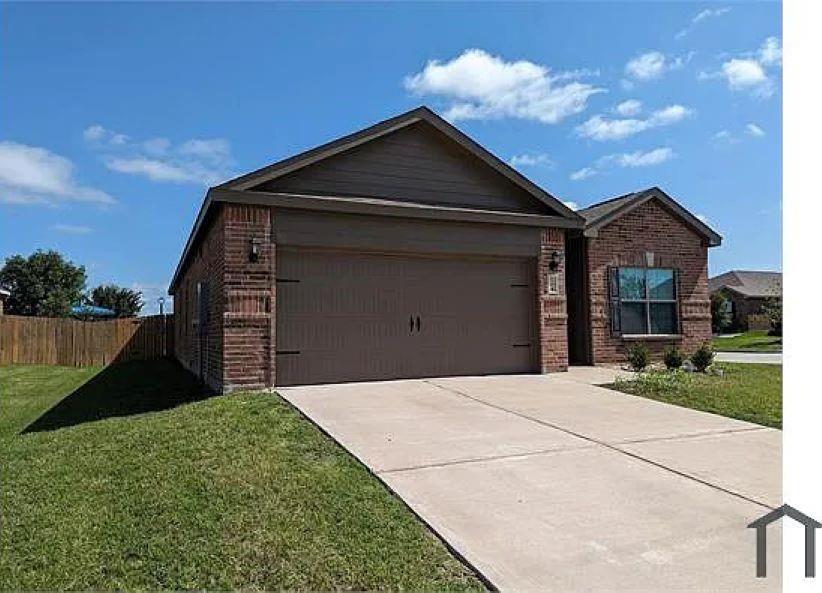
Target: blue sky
[[117, 116]]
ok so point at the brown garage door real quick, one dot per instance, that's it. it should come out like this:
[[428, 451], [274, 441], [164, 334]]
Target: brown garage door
[[356, 317]]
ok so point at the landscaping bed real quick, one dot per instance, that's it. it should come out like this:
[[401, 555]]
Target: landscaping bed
[[751, 392], [227, 492]]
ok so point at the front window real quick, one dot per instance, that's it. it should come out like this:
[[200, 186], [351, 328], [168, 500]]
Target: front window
[[647, 301]]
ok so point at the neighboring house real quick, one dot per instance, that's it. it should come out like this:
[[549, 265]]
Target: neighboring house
[[408, 250], [747, 293]]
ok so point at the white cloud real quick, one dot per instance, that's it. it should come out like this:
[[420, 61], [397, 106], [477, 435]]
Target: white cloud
[[701, 16], [639, 158], [652, 65], [71, 229], [629, 107], [728, 137], [643, 159], [602, 128], [646, 66], [754, 130], [583, 173], [34, 175], [151, 168], [770, 54], [725, 137], [749, 72], [94, 133], [98, 134], [571, 205], [531, 160], [195, 161], [743, 74], [481, 86]]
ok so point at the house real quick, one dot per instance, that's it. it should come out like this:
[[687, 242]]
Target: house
[[408, 250], [747, 293], [4, 294]]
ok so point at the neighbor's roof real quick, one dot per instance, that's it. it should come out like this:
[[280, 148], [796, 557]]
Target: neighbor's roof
[[602, 213], [749, 283], [240, 189]]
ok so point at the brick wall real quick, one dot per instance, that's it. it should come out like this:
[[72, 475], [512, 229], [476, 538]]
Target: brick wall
[[625, 242], [748, 312], [551, 308], [237, 346], [249, 299], [202, 353]]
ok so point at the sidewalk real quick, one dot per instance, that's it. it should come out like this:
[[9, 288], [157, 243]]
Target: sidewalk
[[750, 357]]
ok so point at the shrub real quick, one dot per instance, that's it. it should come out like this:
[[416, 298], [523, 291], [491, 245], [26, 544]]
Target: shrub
[[673, 358], [773, 309], [703, 357], [720, 320], [638, 356]]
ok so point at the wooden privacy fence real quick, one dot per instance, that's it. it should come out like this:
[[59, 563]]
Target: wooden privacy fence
[[68, 342]]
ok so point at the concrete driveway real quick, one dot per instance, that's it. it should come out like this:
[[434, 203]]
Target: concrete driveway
[[549, 483]]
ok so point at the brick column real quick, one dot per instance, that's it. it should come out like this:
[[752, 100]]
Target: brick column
[[552, 308], [248, 348]]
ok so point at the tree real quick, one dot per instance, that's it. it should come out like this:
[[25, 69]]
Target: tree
[[720, 319], [773, 309], [125, 302], [44, 284]]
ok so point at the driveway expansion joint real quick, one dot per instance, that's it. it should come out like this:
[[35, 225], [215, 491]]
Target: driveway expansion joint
[[612, 447], [490, 458]]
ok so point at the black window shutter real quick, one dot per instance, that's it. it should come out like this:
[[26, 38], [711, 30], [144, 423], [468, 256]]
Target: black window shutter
[[613, 297], [676, 298]]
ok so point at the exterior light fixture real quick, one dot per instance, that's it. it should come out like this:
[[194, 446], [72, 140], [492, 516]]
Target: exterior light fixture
[[254, 252]]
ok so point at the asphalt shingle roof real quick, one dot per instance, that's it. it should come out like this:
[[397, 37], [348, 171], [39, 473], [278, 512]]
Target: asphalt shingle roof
[[749, 283]]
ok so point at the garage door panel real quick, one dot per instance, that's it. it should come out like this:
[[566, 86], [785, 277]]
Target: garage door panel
[[352, 316]]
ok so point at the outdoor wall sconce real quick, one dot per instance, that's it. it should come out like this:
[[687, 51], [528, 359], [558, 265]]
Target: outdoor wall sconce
[[555, 260], [254, 252]]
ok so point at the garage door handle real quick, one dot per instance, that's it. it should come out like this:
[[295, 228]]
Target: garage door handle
[[411, 324], [418, 323]]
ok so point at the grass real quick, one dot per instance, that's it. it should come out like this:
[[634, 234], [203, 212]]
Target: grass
[[751, 392], [752, 341], [227, 492], [27, 391]]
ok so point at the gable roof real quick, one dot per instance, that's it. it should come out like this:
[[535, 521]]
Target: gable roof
[[242, 189], [749, 283], [289, 165], [602, 213]]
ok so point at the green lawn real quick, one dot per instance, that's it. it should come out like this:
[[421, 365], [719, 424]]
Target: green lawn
[[227, 492], [752, 341], [751, 392]]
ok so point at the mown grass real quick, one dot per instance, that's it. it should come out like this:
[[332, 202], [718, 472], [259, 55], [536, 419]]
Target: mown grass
[[752, 341], [751, 392], [27, 391], [228, 492]]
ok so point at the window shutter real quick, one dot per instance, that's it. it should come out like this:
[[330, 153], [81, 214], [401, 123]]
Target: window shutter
[[613, 297], [676, 298]]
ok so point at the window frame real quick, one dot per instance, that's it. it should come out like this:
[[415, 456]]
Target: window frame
[[647, 301]]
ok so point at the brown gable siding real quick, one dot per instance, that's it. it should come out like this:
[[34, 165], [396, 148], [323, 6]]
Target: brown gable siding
[[414, 164], [624, 242]]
